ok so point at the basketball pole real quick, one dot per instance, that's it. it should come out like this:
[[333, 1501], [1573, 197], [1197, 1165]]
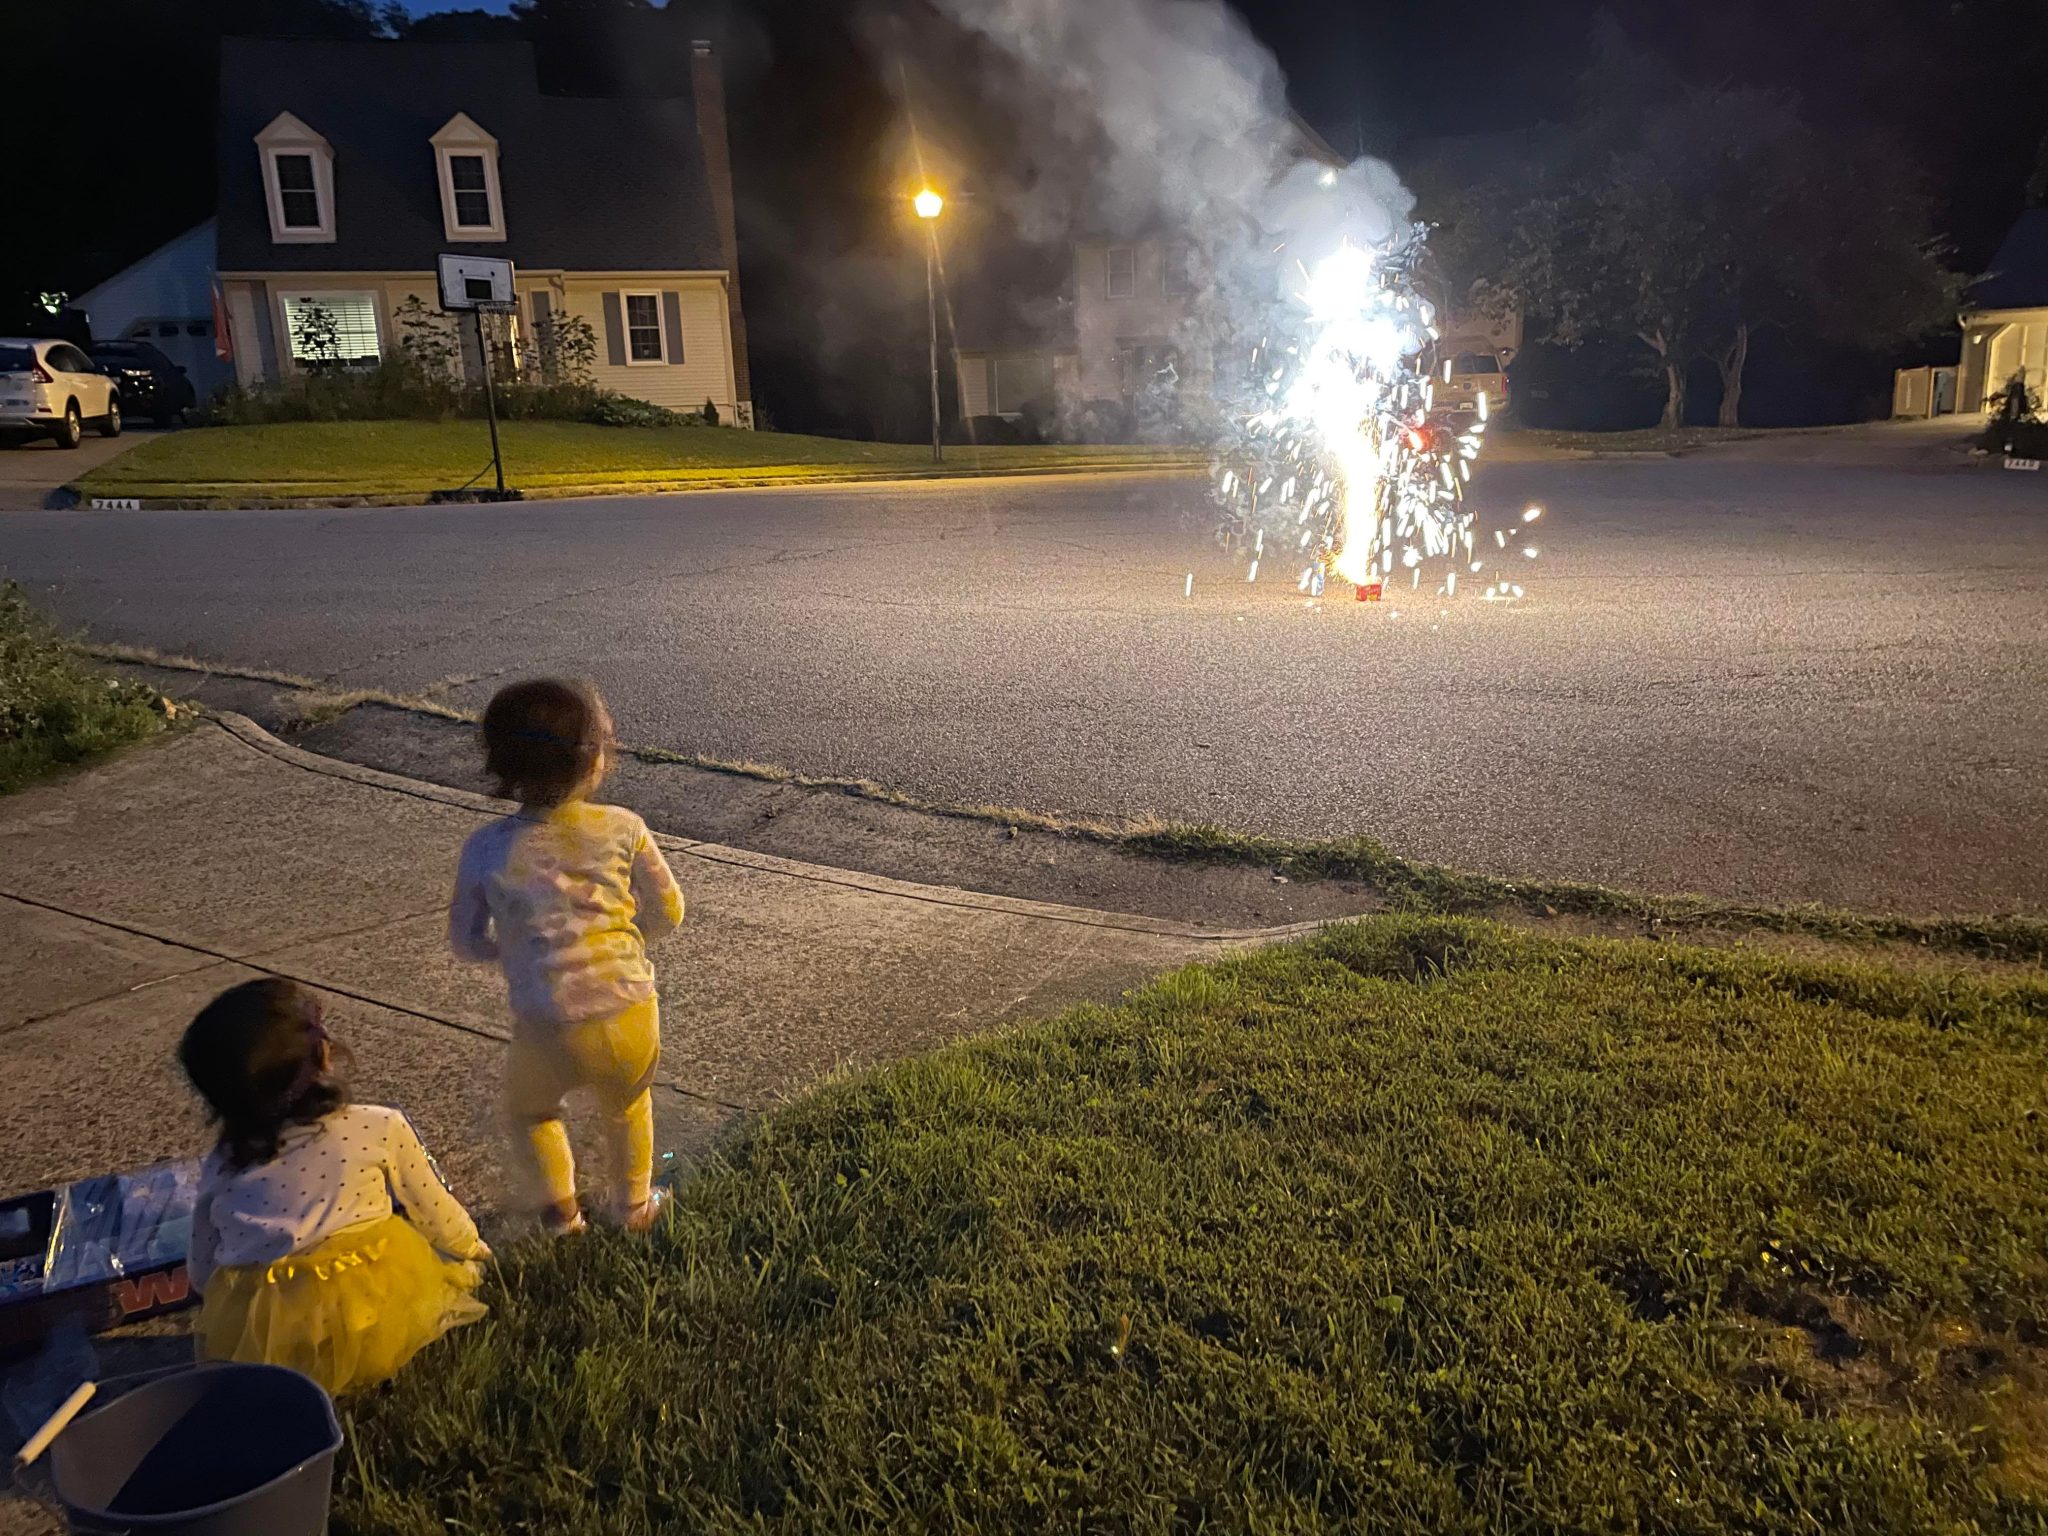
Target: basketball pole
[[483, 348]]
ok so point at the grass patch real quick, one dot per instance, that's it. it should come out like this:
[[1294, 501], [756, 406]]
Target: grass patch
[[1422, 1225], [1650, 440], [56, 708], [398, 458], [1416, 886]]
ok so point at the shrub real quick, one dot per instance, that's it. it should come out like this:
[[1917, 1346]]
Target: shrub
[[397, 389], [54, 707], [2023, 440], [609, 410], [543, 377], [2013, 418]]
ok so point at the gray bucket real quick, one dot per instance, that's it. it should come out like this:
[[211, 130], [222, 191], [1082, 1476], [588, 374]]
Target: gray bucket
[[220, 1449]]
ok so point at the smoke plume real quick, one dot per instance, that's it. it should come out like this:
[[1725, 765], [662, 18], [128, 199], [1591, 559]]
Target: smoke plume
[[1178, 117]]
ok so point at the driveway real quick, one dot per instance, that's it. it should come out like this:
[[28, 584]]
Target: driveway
[[31, 472], [1753, 680]]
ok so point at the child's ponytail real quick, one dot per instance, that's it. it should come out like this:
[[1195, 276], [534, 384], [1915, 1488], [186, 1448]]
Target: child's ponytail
[[261, 1058]]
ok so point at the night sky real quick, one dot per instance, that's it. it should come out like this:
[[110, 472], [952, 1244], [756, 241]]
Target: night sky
[[1955, 80]]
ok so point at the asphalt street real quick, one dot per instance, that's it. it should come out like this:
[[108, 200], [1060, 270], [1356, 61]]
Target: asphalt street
[[1760, 680]]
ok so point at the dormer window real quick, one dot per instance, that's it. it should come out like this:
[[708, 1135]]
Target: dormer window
[[472, 208], [298, 182]]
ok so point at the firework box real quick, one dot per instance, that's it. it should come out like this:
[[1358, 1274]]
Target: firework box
[[1369, 591], [106, 1250]]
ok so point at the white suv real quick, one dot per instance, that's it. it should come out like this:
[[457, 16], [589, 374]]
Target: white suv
[[51, 389]]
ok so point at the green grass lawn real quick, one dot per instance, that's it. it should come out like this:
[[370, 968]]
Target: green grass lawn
[[1638, 440], [56, 707], [1421, 1225], [392, 458]]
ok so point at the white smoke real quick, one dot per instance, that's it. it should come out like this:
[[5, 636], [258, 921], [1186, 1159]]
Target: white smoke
[[1177, 116]]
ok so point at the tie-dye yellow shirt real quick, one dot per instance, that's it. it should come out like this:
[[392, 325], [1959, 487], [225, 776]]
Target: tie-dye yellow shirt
[[566, 899]]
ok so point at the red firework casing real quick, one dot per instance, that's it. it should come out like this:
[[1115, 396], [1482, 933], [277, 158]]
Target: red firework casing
[[1369, 592]]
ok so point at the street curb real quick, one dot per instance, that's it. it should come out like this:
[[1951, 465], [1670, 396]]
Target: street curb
[[83, 498], [247, 731]]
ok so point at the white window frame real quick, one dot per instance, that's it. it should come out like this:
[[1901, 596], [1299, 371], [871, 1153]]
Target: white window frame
[[319, 295], [463, 135], [1175, 281], [1109, 255], [626, 298], [287, 135]]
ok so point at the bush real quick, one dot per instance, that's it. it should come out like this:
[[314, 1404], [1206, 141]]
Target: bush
[[2014, 423], [54, 707], [543, 378], [396, 390], [988, 431], [609, 410]]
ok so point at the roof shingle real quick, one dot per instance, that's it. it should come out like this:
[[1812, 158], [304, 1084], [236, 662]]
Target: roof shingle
[[2018, 278], [590, 183]]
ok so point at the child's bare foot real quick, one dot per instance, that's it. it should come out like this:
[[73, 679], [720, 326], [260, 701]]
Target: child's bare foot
[[642, 1217]]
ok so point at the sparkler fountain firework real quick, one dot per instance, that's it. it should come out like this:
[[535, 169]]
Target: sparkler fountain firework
[[1344, 468], [1168, 115]]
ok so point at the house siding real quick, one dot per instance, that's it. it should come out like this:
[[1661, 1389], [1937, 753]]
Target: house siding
[[256, 306], [706, 371], [1104, 326]]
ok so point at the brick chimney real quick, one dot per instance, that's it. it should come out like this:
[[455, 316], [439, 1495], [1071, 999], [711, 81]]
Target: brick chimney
[[707, 87]]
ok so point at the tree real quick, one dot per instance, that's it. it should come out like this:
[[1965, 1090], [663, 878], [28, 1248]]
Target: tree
[[1688, 217], [1806, 229]]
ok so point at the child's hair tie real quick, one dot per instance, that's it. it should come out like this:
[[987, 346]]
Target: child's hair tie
[[310, 1069]]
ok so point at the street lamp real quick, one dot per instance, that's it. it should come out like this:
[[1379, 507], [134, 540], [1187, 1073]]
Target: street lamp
[[929, 205]]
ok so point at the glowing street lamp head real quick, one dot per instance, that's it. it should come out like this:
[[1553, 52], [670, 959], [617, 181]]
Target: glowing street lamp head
[[928, 204]]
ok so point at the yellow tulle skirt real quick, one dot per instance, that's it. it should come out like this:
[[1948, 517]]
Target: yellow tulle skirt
[[348, 1313]]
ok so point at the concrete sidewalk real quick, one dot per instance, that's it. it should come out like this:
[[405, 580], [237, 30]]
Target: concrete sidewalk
[[131, 893]]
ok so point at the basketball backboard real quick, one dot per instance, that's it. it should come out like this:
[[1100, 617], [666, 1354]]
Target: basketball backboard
[[476, 282]]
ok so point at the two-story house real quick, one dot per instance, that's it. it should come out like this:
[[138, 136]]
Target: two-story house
[[1115, 349], [347, 168], [1122, 349]]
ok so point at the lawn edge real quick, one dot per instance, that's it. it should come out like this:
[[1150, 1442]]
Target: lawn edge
[[1402, 884], [166, 497]]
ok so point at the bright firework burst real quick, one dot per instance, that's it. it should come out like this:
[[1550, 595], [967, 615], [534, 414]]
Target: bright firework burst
[[1343, 469]]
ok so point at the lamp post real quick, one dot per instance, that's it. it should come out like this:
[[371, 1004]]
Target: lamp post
[[929, 205]]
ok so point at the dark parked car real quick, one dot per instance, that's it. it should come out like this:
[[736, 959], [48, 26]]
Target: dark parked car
[[150, 384]]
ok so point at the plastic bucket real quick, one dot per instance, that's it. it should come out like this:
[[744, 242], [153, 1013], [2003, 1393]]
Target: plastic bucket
[[218, 1450]]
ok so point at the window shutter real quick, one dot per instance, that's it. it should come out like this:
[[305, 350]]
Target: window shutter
[[672, 318], [614, 331], [541, 338]]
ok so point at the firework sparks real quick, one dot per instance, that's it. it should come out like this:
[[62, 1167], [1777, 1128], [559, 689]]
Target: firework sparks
[[1344, 463]]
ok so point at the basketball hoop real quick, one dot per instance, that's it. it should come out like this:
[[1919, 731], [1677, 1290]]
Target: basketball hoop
[[476, 283], [482, 285]]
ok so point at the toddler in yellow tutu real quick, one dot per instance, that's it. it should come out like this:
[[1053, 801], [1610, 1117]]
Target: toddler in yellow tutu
[[566, 895], [322, 1237]]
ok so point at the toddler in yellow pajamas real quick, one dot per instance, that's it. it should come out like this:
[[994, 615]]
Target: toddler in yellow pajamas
[[566, 896]]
